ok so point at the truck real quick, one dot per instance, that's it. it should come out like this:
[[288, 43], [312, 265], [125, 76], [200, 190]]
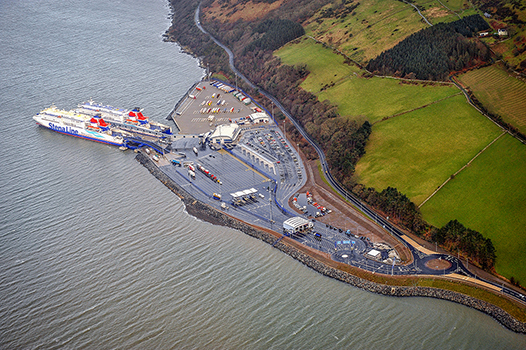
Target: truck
[[191, 174], [176, 162], [216, 196], [195, 151]]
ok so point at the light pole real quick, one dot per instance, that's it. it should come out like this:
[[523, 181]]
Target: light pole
[[284, 128], [270, 207]]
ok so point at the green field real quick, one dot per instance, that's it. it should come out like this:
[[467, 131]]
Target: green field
[[490, 196], [418, 151], [358, 97], [500, 93], [377, 98], [325, 66]]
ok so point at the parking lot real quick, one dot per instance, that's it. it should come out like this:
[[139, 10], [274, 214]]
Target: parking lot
[[209, 104], [251, 185]]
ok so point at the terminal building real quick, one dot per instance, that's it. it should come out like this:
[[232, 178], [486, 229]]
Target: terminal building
[[225, 133], [296, 224]]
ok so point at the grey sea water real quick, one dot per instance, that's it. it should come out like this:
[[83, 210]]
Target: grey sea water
[[95, 253]]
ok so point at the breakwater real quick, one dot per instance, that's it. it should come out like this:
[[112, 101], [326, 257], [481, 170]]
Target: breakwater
[[204, 212]]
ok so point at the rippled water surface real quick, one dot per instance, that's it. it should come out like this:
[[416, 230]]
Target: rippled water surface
[[97, 254]]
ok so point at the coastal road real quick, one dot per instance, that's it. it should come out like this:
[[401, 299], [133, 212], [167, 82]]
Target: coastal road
[[420, 268]]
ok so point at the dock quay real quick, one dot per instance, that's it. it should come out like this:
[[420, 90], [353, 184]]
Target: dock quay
[[231, 155]]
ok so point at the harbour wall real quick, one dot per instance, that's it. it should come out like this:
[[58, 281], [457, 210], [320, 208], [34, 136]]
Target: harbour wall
[[205, 212]]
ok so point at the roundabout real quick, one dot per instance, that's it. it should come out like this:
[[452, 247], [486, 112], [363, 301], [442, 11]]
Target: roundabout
[[438, 264]]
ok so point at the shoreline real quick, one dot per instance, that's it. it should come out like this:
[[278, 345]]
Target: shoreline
[[206, 213]]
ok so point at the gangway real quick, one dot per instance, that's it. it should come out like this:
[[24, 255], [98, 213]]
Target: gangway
[[134, 142]]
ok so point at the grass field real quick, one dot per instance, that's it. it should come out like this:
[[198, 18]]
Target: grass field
[[418, 151], [357, 97], [325, 65], [377, 98], [490, 196], [500, 93]]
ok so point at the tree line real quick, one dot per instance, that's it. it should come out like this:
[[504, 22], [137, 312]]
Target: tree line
[[455, 237], [275, 33], [434, 52]]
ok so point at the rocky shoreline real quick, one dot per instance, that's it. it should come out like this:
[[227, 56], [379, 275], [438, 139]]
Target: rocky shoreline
[[205, 212]]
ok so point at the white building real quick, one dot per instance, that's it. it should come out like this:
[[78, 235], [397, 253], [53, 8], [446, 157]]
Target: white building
[[374, 254], [225, 133], [259, 117], [296, 224]]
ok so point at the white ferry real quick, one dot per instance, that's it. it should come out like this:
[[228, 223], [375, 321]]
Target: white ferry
[[74, 124], [132, 121]]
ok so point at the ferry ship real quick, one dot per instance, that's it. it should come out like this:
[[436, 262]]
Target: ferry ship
[[83, 126], [132, 121]]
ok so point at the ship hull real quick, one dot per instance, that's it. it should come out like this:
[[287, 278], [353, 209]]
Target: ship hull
[[80, 133]]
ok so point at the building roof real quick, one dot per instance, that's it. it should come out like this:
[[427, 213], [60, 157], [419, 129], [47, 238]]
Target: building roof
[[374, 253], [243, 193], [259, 115], [225, 131], [294, 223]]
